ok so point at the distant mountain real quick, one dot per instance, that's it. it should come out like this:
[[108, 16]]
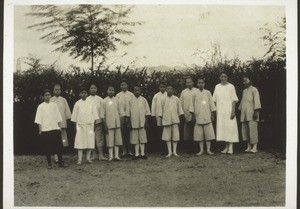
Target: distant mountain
[[164, 68]]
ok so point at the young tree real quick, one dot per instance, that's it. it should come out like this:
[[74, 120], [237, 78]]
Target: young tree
[[85, 31]]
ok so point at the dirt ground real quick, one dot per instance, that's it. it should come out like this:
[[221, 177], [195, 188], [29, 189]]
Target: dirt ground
[[220, 180]]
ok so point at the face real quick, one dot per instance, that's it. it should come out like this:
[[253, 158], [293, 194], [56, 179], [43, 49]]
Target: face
[[137, 91], [111, 91], [246, 82], [189, 83], [57, 90], [123, 86], [93, 90], [47, 96], [83, 95], [223, 78], [201, 84], [170, 90], [162, 88]]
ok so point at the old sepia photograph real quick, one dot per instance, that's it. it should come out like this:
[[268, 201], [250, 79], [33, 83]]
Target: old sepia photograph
[[149, 105]]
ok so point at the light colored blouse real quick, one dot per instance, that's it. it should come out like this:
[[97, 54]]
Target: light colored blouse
[[64, 109], [138, 110], [170, 109], [48, 116], [202, 105], [84, 112]]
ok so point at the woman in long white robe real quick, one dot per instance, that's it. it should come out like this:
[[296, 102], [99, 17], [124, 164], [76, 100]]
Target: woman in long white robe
[[84, 115], [226, 98]]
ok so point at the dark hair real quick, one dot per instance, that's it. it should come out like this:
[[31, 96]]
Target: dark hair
[[247, 76], [123, 80], [82, 89], [201, 78], [57, 84], [45, 91], [110, 86], [92, 84], [223, 72], [162, 83], [137, 85], [189, 77]]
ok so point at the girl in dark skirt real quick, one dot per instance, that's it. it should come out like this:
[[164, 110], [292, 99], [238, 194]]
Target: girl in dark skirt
[[48, 118]]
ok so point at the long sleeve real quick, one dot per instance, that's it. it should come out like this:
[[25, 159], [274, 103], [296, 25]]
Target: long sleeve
[[234, 97], [160, 108], [95, 113], [38, 116], [147, 108], [240, 105], [257, 104], [121, 110], [180, 110], [192, 104], [129, 109], [75, 113], [215, 94], [153, 105], [57, 113], [102, 109], [127, 103], [181, 98], [211, 103]]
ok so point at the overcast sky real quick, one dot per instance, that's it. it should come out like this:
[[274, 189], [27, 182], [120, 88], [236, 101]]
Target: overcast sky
[[170, 35]]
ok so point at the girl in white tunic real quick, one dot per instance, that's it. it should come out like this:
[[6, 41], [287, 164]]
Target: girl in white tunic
[[65, 114], [158, 129], [138, 111], [48, 118], [84, 115], [203, 109], [170, 110], [186, 100], [99, 135], [112, 115], [249, 107], [156, 102], [124, 97], [226, 98]]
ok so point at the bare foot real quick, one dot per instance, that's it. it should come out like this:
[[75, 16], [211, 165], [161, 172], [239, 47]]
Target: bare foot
[[118, 159], [230, 152], [224, 151], [103, 158], [199, 153], [169, 155], [89, 161], [210, 153], [93, 157], [253, 150], [79, 162], [176, 155], [110, 159], [248, 149]]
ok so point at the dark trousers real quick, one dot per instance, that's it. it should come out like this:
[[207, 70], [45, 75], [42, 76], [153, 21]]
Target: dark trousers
[[52, 144]]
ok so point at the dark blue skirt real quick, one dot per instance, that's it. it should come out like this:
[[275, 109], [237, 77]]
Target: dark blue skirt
[[51, 142]]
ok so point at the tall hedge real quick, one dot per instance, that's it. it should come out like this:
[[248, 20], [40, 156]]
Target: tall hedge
[[268, 76]]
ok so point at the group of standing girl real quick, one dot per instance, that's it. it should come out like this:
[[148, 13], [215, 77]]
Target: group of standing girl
[[122, 120]]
